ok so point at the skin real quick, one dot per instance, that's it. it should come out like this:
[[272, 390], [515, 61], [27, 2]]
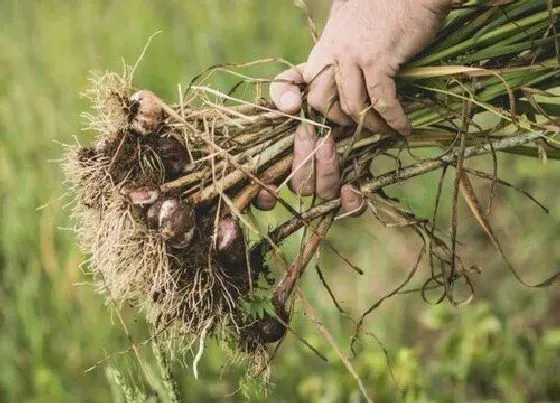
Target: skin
[[350, 76]]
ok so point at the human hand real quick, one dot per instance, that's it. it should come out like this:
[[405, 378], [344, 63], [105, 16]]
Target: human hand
[[350, 76], [320, 174], [352, 67]]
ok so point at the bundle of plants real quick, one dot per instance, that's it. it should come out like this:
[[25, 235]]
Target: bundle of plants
[[162, 191]]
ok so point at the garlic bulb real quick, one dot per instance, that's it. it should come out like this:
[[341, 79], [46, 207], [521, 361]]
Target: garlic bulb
[[149, 113], [174, 219]]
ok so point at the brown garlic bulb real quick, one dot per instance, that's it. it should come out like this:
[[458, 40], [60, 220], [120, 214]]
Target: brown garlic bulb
[[230, 244], [173, 155], [149, 113], [174, 219], [230, 235], [142, 195]]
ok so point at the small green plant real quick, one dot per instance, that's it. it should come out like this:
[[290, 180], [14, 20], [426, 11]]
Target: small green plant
[[258, 307]]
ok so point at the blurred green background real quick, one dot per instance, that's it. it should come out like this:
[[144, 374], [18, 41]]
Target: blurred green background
[[505, 346]]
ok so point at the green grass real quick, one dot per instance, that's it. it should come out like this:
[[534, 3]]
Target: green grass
[[505, 346]]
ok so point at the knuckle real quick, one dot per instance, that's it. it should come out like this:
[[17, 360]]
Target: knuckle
[[382, 108], [329, 173], [307, 75], [374, 86], [380, 63], [327, 164], [379, 101], [370, 60]]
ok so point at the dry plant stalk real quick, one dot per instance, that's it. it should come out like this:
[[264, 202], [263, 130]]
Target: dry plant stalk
[[161, 191]]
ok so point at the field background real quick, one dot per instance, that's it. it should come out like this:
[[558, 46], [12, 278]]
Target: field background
[[505, 346]]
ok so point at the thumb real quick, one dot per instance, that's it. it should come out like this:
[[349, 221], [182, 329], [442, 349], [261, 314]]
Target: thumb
[[285, 92]]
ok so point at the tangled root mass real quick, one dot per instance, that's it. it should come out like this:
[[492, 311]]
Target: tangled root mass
[[184, 266]]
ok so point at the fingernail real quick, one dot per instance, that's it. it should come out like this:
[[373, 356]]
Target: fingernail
[[290, 101]]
